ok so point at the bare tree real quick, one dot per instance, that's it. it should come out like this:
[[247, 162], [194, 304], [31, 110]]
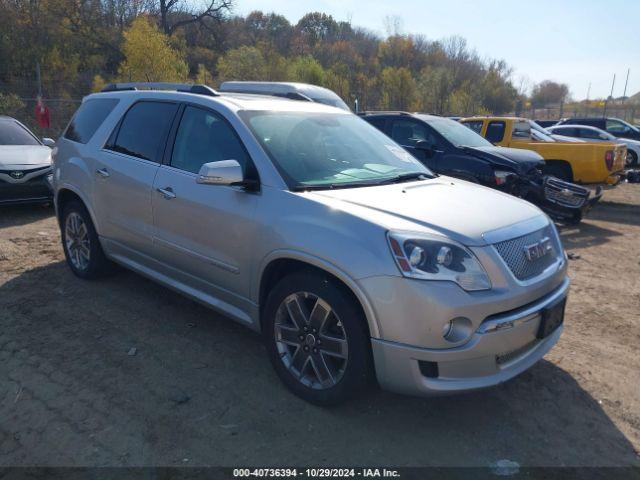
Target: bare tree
[[175, 14]]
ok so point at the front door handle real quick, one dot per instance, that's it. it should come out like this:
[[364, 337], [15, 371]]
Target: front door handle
[[103, 172], [167, 192]]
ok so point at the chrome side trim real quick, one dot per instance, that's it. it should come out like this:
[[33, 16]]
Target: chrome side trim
[[522, 315], [210, 260]]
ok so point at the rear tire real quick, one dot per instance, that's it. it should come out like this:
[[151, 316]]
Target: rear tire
[[317, 338], [81, 244], [632, 158], [559, 170]]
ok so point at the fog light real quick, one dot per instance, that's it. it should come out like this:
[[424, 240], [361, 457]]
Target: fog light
[[457, 330]]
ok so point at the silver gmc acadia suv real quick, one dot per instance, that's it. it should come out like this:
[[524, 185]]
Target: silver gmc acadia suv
[[305, 223]]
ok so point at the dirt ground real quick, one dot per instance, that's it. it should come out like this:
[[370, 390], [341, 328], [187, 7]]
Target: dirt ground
[[198, 388]]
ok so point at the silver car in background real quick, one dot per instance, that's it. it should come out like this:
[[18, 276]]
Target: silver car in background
[[25, 163], [305, 223]]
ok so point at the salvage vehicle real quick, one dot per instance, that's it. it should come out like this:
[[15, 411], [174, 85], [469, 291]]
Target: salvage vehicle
[[292, 90], [615, 126], [447, 147], [25, 163], [593, 134], [587, 163], [305, 223]]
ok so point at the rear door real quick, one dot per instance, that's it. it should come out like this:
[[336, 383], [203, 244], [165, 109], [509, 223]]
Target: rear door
[[204, 233], [125, 170]]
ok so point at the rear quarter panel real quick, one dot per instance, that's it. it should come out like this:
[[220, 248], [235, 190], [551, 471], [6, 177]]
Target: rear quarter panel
[[587, 160]]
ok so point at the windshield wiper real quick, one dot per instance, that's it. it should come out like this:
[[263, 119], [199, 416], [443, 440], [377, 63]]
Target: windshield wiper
[[406, 177], [331, 186]]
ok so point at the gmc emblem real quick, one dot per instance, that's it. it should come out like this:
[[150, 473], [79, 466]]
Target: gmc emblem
[[538, 250]]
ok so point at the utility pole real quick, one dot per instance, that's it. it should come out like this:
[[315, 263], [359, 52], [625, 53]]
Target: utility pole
[[604, 112], [626, 83], [39, 79], [586, 111]]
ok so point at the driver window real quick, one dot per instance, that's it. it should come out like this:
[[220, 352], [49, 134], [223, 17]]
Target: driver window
[[204, 137], [586, 133], [616, 126], [408, 133]]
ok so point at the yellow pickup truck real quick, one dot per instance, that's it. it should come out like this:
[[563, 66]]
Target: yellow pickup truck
[[599, 163]]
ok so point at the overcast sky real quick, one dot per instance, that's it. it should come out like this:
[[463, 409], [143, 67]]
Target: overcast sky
[[572, 41]]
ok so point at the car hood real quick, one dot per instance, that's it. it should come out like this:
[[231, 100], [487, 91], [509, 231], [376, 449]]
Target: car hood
[[516, 158], [24, 156], [454, 208]]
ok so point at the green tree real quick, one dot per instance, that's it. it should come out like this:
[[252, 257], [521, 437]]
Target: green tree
[[399, 91], [149, 56], [10, 104], [306, 69], [243, 63], [203, 75], [548, 92]]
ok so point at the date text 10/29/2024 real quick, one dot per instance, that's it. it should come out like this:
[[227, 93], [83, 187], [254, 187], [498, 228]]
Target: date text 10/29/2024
[[316, 472]]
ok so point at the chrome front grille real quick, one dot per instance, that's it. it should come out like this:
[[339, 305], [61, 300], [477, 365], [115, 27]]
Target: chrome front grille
[[514, 253], [564, 193]]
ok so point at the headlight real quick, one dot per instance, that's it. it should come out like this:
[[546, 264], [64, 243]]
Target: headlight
[[430, 257]]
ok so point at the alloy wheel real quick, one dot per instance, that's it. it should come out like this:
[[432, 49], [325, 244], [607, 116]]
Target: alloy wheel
[[77, 241], [311, 340]]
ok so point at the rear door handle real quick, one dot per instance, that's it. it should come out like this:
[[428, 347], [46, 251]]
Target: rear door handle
[[167, 192], [103, 172]]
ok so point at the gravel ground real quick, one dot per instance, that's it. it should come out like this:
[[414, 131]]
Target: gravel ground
[[124, 372]]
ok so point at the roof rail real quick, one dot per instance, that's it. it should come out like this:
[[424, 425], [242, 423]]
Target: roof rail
[[382, 112], [178, 87]]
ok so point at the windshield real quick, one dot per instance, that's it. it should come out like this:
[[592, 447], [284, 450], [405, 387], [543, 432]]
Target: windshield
[[329, 149], [12, 133], [456, 132]]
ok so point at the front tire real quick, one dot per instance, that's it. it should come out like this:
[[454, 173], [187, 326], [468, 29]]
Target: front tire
[[317, 338], [632, 158], [81, 245]]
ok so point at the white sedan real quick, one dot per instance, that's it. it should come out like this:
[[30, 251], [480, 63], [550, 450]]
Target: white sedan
[[593, 134], [25, 163]]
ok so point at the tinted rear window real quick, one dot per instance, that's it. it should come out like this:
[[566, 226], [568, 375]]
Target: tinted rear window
[[143, 130], [495, 132], [88, 119]]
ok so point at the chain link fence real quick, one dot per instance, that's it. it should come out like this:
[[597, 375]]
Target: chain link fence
[[60, 112], [629, 112]]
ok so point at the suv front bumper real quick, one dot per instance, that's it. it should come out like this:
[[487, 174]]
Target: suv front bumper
[[503, 346]]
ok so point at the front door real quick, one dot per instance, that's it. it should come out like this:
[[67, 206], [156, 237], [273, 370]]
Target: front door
[[408, 133], [205, 233]]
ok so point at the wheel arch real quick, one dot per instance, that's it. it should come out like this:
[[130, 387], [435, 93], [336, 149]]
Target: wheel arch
[[563, 164], [281, 263], [64, 195]]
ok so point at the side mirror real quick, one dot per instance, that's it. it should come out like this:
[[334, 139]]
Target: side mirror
[[226, 172], [49, 142], [424, 145]]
